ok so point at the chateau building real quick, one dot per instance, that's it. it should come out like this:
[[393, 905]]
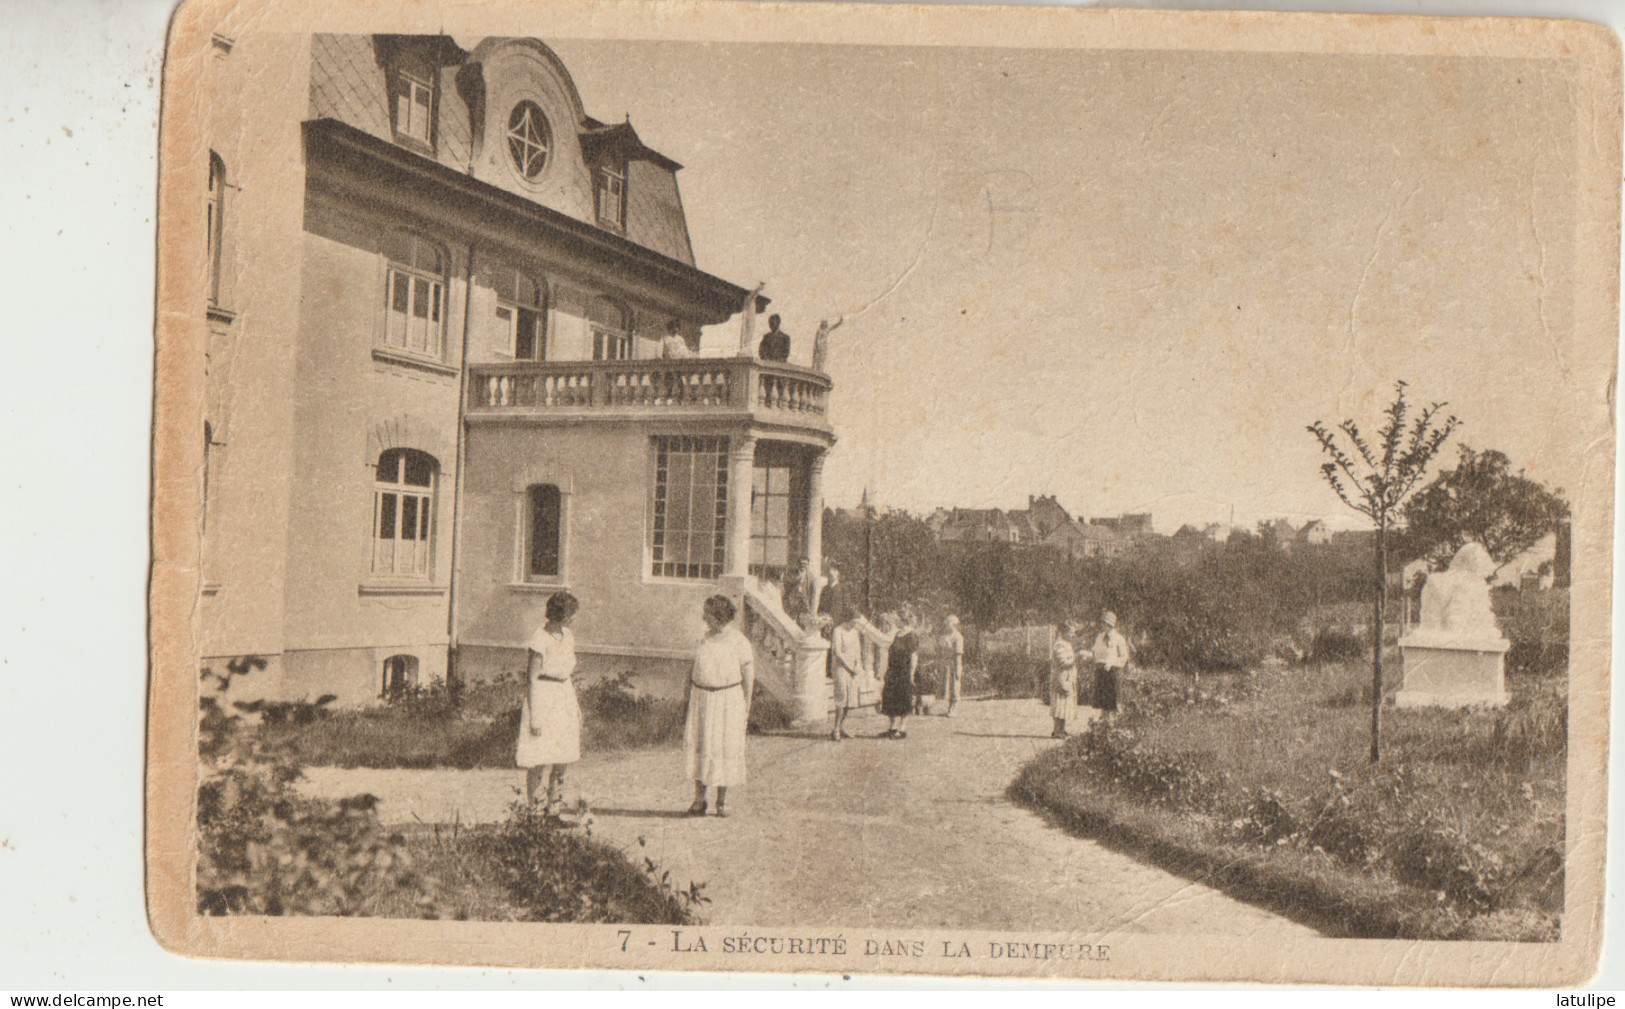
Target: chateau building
[[453, 367]]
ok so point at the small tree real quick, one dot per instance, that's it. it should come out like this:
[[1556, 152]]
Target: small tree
[[1375, 482], [1481, 501]]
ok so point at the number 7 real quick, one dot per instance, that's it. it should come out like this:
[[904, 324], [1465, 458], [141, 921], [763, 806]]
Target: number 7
[[625, 934]]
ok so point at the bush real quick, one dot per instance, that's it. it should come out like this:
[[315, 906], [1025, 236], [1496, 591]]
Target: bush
[[552, 873], [1008, 674], [616, 715], [263, 849], [1334, 645]]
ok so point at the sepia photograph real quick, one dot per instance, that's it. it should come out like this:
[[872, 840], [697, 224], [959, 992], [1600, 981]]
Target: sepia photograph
[[994, 492]]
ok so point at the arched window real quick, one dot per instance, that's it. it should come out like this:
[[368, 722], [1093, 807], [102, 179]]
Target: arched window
[[529, 138], [400, 675], [403, 513], [544, 532], [521, 314], [611, 330], [216, 223], [414, 295]]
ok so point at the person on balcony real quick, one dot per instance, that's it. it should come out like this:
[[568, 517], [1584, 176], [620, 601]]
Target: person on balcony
[[902, 662], [673, 347], [846, 647], [719, 695], [1111, 658], [775, 342], [549, 716]]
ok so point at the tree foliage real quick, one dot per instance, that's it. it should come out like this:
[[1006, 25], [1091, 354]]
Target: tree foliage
[[1374, 480], [1481, 501]]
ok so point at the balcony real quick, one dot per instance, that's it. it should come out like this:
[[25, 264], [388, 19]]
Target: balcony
[[713, 388]]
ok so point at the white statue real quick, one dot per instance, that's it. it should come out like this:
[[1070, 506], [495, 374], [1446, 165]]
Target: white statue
[[821, 342], [1456, 601]]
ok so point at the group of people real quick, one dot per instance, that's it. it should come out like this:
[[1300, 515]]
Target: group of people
[[1071, 691], [722, 682], [719, 689]]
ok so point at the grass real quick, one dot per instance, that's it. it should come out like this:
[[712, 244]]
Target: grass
[[477, 728], [1260, 784]]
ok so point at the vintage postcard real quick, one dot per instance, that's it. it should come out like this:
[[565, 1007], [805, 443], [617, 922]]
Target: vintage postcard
[[1005, 492]]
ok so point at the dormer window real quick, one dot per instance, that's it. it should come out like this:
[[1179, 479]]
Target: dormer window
[[529, 139], [414, 109], [612, 197]]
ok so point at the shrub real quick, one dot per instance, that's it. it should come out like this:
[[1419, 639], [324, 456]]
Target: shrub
[[1332, 644], [616, 715], [552, 873], [263, 849], [1008, 674]]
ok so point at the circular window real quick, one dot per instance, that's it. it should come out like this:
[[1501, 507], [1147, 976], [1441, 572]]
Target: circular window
[[528, 140]]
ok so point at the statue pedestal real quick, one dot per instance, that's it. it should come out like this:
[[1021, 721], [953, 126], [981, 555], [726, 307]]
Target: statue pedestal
[[810, 685], [1452, 673]]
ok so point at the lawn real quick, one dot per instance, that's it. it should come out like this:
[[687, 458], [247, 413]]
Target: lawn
[[476, 727], [1260, 783]]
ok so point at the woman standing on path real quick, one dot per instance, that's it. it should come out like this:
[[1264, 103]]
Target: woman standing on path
[[902, 660], [719, 693], [549, 717], [953, 648], [1063, 679]]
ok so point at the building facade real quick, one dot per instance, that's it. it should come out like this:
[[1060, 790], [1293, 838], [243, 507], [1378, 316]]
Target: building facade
[[453, 368]]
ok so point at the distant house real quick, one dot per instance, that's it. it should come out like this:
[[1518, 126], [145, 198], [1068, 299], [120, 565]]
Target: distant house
[[978, 525], [1046, 515], [1080, 539], [1316, 533], [1535, 568], [1129, 526], [1278, 533]]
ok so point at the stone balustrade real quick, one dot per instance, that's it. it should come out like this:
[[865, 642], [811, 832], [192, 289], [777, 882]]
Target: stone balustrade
[[740, 385], [791, 663]]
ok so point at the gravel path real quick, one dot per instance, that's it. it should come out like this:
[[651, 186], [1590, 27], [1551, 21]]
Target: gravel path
[[867, 832]]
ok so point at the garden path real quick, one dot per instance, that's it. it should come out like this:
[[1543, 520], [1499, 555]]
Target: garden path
[[869, 832]]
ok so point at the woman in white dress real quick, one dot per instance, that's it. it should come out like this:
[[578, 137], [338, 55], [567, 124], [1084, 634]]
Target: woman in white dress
[[550, 717], [719, 693], [1063, 679]]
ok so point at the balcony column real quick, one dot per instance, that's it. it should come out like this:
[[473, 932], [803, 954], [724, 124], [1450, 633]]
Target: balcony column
[[815, 525], [741, 471]]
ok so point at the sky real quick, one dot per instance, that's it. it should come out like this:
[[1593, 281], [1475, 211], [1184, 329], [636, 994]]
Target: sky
[[1130, 279]]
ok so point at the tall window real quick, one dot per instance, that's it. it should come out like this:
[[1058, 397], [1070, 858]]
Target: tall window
[[690, 513], [403, 513], [519, 313], [770, 521], [543, 532], [612, 197], [611, 331], [217, 222], [414, 107], [414, 295], [529, 138]]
